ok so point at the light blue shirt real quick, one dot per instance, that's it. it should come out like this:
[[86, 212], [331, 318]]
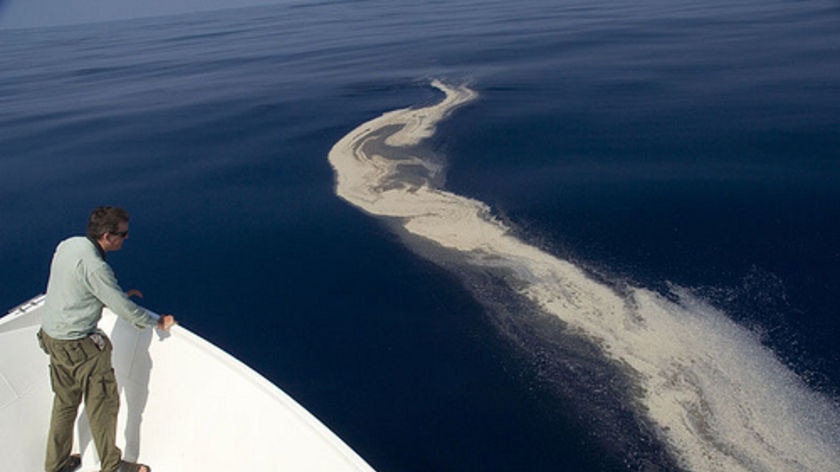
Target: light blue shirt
[[80, 284]]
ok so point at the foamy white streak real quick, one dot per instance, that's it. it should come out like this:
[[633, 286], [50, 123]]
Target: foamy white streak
[[721, 400]]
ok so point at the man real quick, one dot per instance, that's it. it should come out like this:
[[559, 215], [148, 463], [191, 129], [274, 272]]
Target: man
[[81, 283]]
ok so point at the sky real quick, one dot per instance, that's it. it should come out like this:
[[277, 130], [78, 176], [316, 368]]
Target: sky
[[42, 13]]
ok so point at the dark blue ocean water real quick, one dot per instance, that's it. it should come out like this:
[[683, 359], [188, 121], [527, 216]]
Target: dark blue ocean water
[[673, 146]]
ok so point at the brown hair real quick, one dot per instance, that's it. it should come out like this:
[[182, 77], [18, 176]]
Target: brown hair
[[105, 219]]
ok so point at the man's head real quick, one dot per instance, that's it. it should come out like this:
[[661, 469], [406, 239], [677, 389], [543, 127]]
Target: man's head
[[108, 226]]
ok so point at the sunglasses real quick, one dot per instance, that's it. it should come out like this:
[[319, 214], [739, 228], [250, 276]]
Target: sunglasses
[[121, 234]]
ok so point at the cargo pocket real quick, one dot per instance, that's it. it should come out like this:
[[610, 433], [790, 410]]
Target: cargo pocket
[[103, 390], [75, 352]]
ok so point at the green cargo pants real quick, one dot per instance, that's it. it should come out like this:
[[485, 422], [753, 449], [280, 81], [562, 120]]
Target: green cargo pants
[[79, 369]]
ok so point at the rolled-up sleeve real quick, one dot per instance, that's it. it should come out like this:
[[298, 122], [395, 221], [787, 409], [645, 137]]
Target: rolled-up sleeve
[[103, 284]]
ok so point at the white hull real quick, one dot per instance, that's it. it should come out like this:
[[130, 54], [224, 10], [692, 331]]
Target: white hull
[[185, 406]]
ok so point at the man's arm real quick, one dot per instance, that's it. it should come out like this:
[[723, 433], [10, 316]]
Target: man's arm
[[164, 322], [103, 285]]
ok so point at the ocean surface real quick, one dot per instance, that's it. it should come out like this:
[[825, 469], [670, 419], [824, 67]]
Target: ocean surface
[[468, 235]]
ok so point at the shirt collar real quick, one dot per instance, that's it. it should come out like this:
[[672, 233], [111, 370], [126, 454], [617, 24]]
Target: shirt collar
[[98, 247]]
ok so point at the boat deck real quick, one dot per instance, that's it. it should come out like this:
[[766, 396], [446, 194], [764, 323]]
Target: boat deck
[[185, 406]]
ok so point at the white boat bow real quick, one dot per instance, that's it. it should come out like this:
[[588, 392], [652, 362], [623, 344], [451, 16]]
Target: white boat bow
[[185, 406]]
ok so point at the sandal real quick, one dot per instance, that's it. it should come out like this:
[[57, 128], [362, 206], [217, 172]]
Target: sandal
[[73, 463], [131, 467]]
